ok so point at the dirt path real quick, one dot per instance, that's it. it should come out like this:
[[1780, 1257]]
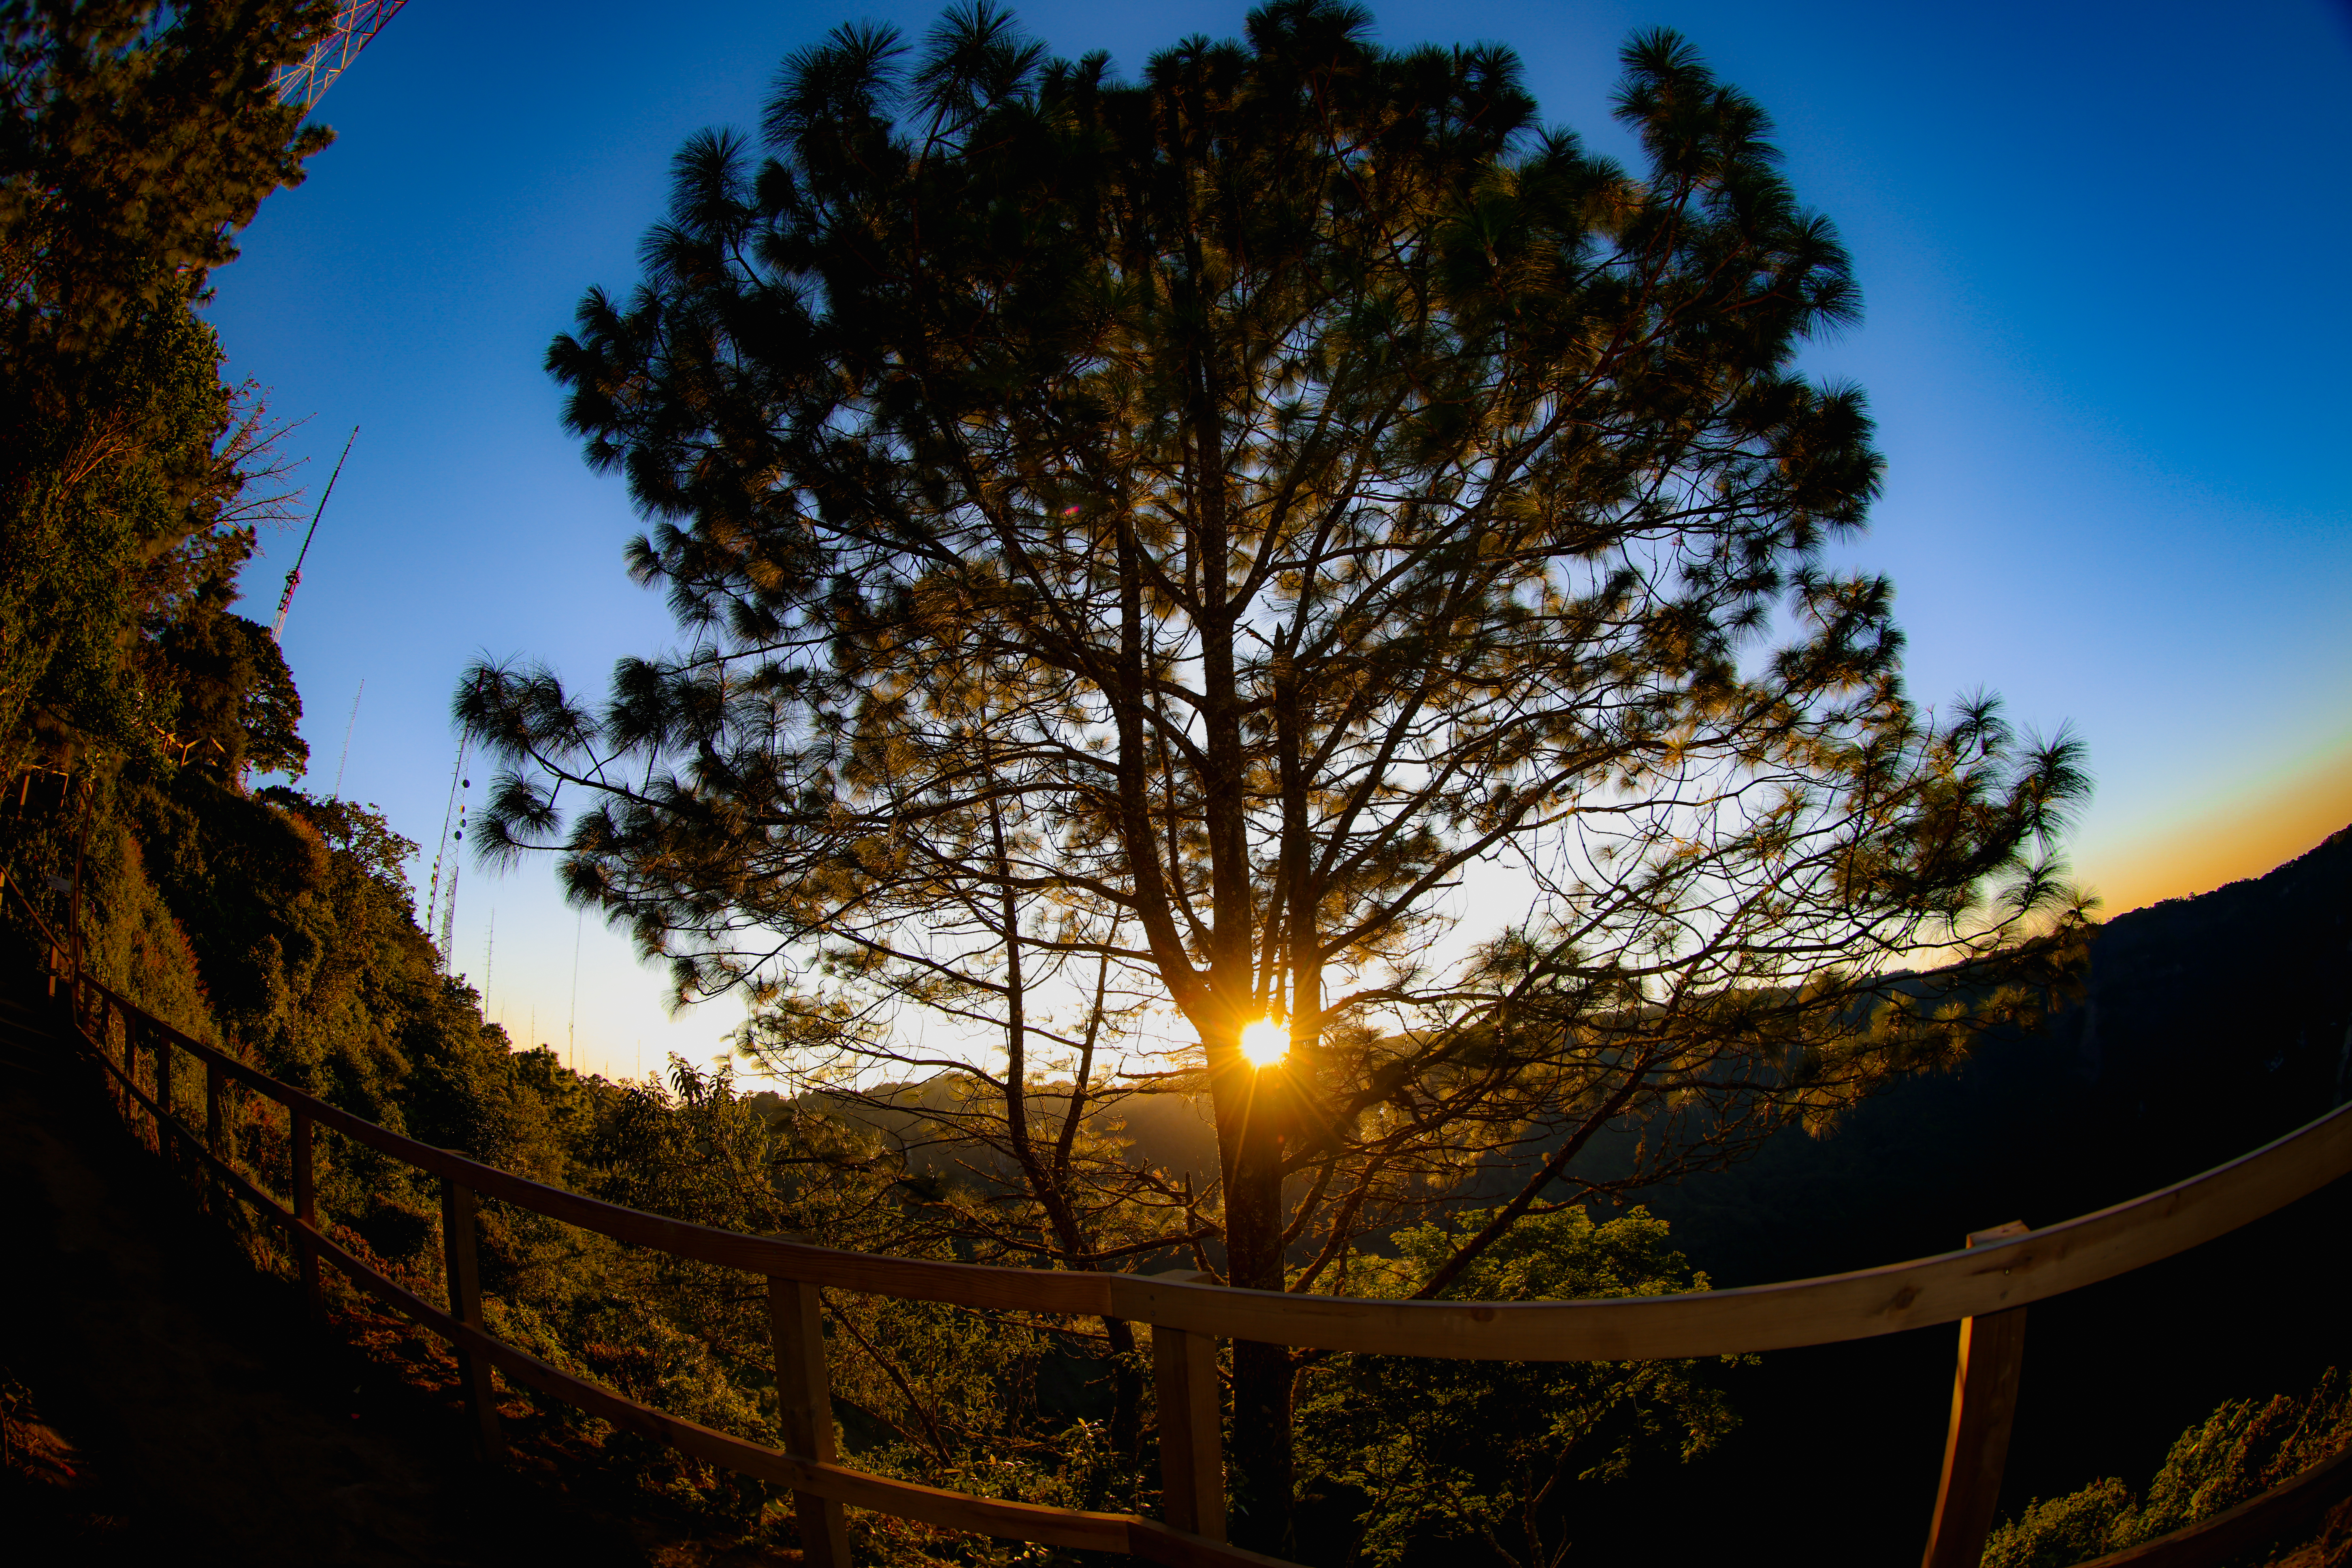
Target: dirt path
[[165, 1403]]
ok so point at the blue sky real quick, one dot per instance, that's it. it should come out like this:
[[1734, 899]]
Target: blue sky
[[2103, 252]]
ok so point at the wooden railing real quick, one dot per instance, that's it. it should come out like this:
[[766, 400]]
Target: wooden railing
[[1985, 1287]]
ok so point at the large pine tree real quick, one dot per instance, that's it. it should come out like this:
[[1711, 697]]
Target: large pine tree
[[1286, 538]]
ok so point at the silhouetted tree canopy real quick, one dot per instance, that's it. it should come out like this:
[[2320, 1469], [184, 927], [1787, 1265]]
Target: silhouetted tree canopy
[[236, 703], [1286, 537]]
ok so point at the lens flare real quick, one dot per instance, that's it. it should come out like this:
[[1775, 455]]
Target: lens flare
[[1265, 1043]]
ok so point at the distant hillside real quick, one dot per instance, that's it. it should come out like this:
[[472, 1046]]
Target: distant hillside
[[1170, 1131], [2210, 1025]]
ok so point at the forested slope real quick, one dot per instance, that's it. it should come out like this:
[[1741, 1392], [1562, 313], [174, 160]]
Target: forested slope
[[2207, 1026]]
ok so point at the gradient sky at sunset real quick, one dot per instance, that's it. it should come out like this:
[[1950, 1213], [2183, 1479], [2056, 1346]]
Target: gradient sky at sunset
[[2102, 246]]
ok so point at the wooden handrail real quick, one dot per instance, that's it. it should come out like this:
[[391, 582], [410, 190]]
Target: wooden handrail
[[1970, 1282], [8, 876], [1051, 1526], [1998, 1274]]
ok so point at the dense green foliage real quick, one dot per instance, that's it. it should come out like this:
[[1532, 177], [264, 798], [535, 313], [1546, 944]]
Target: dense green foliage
[[1503, 1462], [135, 140], [237, 707], [2242, 1449]]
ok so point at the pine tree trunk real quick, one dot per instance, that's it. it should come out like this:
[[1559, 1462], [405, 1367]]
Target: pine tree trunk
[[1259, 1468]]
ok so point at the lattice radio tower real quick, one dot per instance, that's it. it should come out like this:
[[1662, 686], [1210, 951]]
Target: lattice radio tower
[[356, 25]]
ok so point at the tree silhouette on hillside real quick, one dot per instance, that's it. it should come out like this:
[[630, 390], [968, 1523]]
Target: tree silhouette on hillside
[[1284, 541]]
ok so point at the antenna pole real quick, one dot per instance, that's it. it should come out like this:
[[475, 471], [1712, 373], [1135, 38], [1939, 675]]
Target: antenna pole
[[294, 578], [449, 814], [571, 1030], [344, 761]]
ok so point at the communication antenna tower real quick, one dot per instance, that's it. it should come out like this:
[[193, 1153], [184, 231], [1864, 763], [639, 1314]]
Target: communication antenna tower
[[357, 23], [436, 900], [449, 922], [294, 578], [571, 1030], [345, 760]]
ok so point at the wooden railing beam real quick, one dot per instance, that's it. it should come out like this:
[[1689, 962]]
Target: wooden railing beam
[[159, 1052], [1976, 1442], [138, 1037], [126, 1065], [127, 1062], [1918, 1294], [1985, 1287], [215, 1140]]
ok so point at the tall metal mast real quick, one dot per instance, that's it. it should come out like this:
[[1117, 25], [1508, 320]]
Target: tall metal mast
[[440, 900], [294, 578], [349, 725], [449, 923], [357, 22]]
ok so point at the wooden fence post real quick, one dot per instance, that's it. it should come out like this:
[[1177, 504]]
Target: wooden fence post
[[135, 1035], [306, 1209], [464, 1277], [117, 1089], [215, 1142], [1191, 1426], [159, 1049], [1976, 1446], [805, 1413]]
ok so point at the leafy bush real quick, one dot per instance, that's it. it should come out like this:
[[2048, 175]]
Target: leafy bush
[[2066, 1529], [2241, 1451], [1417, 1454]]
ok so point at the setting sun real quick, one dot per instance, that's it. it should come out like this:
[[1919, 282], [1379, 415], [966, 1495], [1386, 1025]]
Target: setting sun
[[1266, 1043]]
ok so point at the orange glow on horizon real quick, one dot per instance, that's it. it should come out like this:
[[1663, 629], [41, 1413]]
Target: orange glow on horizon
[[2250, 833]]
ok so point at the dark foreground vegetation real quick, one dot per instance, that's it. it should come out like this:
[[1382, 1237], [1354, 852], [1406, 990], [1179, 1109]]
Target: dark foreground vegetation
[[1142, 544], [1022, 1408], [1003, 1405], [2206, 1026]]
